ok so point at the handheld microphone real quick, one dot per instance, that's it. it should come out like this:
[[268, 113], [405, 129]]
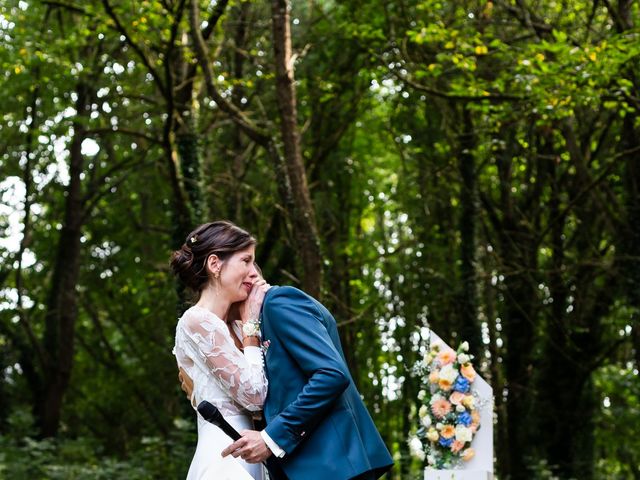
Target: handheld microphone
[[212, 415]]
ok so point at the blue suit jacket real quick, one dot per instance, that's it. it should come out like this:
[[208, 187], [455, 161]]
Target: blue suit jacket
[[313, 410]]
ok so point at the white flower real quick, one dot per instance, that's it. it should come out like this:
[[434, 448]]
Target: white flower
[[426, 421], [431, 460], [415, 447], [423, 412], [435, 398], [464, 346], [428, 357], [449, 373], [421, 395], [463, 358], [460, 408], [463, 434], [439, 426]]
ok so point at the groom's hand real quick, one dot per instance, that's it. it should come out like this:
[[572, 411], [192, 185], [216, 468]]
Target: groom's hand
[[251, 447]]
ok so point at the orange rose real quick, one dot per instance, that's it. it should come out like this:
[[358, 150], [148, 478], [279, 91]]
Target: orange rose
[[447, 356], [433, 377], [456, 398], [475, 418], [468, 454], [456, 446], [468, 372]]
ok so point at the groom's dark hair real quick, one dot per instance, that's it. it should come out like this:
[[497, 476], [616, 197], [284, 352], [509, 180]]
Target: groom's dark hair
[[221, 238]]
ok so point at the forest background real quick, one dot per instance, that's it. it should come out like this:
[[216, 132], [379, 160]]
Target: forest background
[[471, 166]]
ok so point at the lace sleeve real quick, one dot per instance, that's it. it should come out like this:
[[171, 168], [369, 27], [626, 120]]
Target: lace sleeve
[[242, 375]]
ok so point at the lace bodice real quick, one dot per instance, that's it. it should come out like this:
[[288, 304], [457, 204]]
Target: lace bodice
[[231, 380]]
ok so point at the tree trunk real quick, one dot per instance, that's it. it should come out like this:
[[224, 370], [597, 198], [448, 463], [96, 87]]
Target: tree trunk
[[469, 327], [240, 152], [574, 336], [552, 378], [518, 250], [187, 147], [304, 223], [339, 275], [630, 237], [245, 124], [518, 330], [62, 311], [630, 142]]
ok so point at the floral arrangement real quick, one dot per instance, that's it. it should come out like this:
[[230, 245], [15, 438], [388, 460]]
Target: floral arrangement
[[450, 418]]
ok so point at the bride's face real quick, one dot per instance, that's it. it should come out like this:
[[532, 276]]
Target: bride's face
[[238, 274]]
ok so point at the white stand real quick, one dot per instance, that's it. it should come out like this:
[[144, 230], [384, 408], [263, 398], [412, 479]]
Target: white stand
[[431, 474], [479, 467]]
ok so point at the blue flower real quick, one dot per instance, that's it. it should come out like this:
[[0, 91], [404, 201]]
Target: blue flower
[[445, 442], [461, 385], [465, 419]]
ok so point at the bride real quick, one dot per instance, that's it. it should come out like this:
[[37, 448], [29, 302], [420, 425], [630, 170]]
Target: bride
[[222, 357]]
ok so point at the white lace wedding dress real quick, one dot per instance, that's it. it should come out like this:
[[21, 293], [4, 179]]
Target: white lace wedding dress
[[223, 375]]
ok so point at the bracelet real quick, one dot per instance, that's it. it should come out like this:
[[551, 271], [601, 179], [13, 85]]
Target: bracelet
[[251, 328]]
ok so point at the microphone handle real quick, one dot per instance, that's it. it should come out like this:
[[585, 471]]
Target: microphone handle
[[228, 429], [212, 415]]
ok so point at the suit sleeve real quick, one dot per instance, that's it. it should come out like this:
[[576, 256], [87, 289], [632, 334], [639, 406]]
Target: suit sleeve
[[296, 321]]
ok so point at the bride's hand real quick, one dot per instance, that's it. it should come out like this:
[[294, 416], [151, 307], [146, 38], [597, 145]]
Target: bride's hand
[[185, 382], [250, 308]]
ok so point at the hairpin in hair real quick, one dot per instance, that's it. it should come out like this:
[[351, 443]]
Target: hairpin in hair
[[193, 239]]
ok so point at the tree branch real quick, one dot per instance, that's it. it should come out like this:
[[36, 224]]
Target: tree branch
[[494, 98], [201, 51], [588, 188], [109, 9], [214, 18], [96, 196], [125, 131], [66, 6]]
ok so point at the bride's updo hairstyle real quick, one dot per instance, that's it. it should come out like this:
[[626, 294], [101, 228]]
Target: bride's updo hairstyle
[[221, 238]]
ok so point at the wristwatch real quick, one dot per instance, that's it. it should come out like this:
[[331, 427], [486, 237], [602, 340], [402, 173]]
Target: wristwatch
[[251, 328]]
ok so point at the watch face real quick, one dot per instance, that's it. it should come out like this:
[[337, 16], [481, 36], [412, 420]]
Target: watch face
[[250, 329]]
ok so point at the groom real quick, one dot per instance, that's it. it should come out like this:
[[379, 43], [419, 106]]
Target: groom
[[317, 425]]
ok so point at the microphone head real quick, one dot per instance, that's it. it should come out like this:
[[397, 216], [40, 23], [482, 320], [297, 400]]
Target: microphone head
[[209, 412], [212, 415]]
